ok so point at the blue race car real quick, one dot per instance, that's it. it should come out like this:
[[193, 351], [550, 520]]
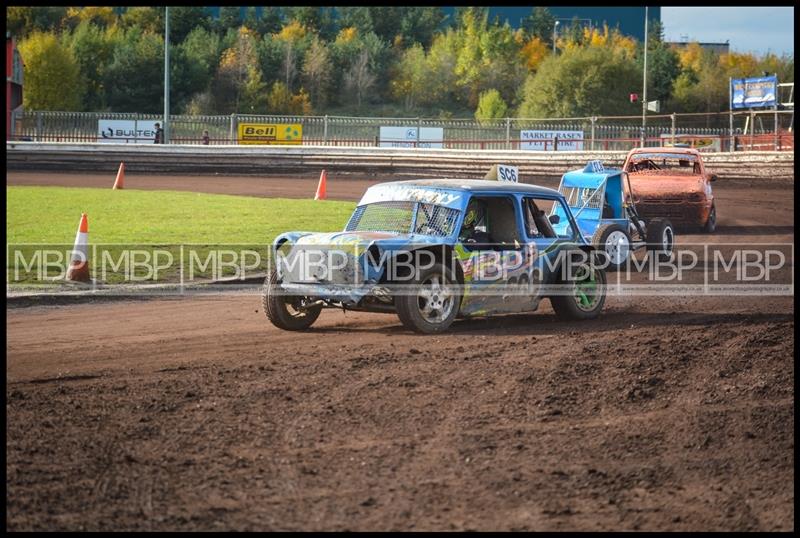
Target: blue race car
[[608, 220], [434, 250]]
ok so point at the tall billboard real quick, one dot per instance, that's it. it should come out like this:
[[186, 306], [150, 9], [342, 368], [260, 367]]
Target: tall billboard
[[754, 92]]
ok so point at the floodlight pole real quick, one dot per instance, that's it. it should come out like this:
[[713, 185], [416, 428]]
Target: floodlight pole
[[166, 76], [644, 83], [555, 27]]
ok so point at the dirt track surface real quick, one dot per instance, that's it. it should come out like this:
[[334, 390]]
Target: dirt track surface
[[666, 413]]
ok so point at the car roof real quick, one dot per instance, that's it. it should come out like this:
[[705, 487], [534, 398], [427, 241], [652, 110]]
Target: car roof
[[667, 149], [477, 185]]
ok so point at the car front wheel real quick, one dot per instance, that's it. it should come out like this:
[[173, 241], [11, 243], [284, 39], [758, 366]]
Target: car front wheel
[[287, 312], [431, 303]]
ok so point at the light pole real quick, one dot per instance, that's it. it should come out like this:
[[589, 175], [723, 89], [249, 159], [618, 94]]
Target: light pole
[[644, 83], [166, 77], [555, 26]]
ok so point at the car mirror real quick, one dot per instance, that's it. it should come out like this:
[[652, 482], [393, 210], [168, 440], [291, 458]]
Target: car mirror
[[554, 219], [713, 177]]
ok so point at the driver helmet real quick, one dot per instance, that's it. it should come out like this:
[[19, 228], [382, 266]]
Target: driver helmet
[[474, 214]]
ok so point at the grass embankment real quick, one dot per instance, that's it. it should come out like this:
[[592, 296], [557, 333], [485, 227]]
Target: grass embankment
[[149, 220]]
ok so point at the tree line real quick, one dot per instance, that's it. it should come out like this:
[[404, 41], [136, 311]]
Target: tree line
[[360, 60]]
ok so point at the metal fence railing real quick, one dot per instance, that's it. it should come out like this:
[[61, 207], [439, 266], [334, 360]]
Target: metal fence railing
[[737, 131]]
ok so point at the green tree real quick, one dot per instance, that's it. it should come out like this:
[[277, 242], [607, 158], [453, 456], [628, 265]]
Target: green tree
[[93, 49], [230, 17], [23, 20], [279, 99], [411, 81], [146, 19], [135, 79], [184, 19], [253, 99], [441, 64], [663, 64], [540, 23], [52, 74], [582, 81], [473, 25], [358, 17], [320, 20], [420, 24], [270, 21], [192, 66], [491, 107]]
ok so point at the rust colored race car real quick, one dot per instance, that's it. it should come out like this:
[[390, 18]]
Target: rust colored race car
[[671, 183]]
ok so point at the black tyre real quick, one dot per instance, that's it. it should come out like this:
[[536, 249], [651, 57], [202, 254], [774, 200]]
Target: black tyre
[[711, 223], [431, 303], [290, 313], [614, 244], [660, 238], [587, 297]]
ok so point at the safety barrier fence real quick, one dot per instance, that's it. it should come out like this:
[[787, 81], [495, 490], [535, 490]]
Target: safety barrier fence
[[365, 162], [739, 131]]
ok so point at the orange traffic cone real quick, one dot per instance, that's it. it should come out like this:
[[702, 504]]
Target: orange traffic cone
[[79, 265], [120, 176], [322, 187]]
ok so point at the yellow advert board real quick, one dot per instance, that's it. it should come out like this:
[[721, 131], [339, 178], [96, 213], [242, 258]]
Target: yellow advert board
[[270, 133]]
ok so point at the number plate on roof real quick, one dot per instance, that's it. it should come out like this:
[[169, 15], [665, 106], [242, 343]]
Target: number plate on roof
[[595, 167]]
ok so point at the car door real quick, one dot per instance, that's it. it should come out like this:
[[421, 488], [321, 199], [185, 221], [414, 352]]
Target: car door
[[494, 271], [551, 240]]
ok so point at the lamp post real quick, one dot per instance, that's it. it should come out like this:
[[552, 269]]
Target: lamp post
[[555, 27], [166, 76], [644, 83]]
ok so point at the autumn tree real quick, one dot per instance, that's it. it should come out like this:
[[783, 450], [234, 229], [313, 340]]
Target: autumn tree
[[239, 76], [52, 74], [490, 107], [317, 72], [359, 79]]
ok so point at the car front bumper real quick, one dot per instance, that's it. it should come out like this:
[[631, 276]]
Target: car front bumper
[[679, 212]]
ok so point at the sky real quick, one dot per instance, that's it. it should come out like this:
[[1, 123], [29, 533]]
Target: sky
[[748, 29]]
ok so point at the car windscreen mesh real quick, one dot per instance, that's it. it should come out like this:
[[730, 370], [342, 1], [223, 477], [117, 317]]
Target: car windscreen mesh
[[436, 220], [582, 196], [382, 217]]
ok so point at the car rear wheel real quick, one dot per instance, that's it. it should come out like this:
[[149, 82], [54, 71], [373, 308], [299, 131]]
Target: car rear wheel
[[287, 312], [711, 223], [585, 299], [614, 242], [431, 303]]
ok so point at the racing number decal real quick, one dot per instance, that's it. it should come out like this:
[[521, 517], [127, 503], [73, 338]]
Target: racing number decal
[[507, 173]]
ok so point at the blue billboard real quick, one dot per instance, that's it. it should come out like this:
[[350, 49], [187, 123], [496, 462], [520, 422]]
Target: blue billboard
[[754, 92]]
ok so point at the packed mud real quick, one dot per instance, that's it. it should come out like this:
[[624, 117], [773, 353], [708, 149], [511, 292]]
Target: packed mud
[[194, 413]]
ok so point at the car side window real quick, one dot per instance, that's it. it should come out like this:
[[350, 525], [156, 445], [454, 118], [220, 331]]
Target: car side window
[[536, 221]]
